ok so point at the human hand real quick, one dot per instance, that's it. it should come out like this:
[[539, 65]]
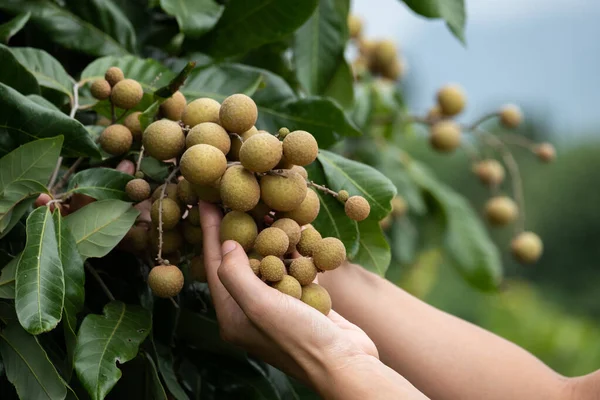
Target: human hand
[[273, 326]]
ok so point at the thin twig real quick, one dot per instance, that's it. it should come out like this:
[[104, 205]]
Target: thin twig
[[67, 175], [518, 140], [139, 160], [480, 121], [105, 288], [121, 116], [237, 136], [174, 303], [321, 188], [159, 258]]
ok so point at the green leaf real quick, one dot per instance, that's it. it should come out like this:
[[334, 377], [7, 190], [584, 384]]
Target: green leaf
[[16, 75], [165, 366], [246, 25], [154, 169], [452, 11], [104, 340], [362, 112], [13, 195], [404, 239], [149, 73], [12, 27], [16, 215], [25, 121], [341, 86], [373, 251], [319, 45], [100, 183], [359, 179], [46, 69], [39, 100], [40, 283], [222, 80], [175, 83], [74, 280], [28, 367], [7, 278], [100, 226], [466, 242], [332, 220], [194, 17], [66, 28], [156, 387]]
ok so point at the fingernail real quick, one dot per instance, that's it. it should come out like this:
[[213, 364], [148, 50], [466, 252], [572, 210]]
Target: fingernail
[[228, 247]]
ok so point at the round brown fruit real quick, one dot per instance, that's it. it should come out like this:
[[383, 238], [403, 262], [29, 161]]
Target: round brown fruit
[[209, 133], [191, 233], [171, 213], [209, 193], [194, 216], [272, 269], [291, 229], [272, 242], [300, 148], [239, 189], [501, 210], [114, 75], [545, 152], [170, 192], [255, 265], [357, 208], [490, 172], [100, 89], [445, 136], [307, 211], [300, 170], [260, 152], [137, 238], [201, 110], [186, 193], [239, 226], [126, 94], [116, 139], [317, 297], [290, 286], [238, 113], [203, 164], [172, 240], [132, 122], [511, 116], [354, 26], [451, 99], [329, 253], [163, 140], [283, 193], [304, 270], [236, 143], [527, 247], [343, 196], [137, 189], [309, 238], [165, 281], [399, 206], [173, 107]]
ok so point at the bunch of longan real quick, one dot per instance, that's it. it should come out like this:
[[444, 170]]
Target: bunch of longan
[[257, 178]]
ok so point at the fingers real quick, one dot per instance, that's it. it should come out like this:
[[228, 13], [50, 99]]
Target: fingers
[[126, 166], [210, 220]]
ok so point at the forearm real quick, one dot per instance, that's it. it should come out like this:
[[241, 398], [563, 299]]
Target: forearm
[[443, 356]]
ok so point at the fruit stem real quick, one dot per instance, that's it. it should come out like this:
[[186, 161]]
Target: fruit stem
[[174, 303], [480, 121], [321, 188], [67, 175], [518, 140], [237, 136], [139, 160], [105, 288], [160, 223]]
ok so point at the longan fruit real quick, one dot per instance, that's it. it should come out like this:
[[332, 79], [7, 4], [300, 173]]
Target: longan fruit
[[103, 121], [210, 192], [173, 107], [236, 143], [290, 286], [100, 89], [445, 136], [137, 238], [490, 172], [137, 189], [307, 211], [261, 152], [127, 94], [451, 99], [239, 189], [171, 213], [354, 26], [434, 113], [170, 192], [384, 52], [545, 152], [283, 132], [272, 269], [300, 148], [209, 133], [254, 265], [329, 253], [501, 210], [163, 140], [165, 281], [399, 206], [309, 238], [291, 229], [317, 297], [116, 139], [197, 269], [203, 164], [304, 270], [172, 240], [191, 233], [186, 193], [132, 122], [193, 216], [283, 193], [259, 212], [357, 208], [510, 116], [527, 247], [201, 110], [271, 242], [284, 163], [114, 75], [300, 170], [343, 196], [239, 226], [238, 113], [386, 222], [393, 70]]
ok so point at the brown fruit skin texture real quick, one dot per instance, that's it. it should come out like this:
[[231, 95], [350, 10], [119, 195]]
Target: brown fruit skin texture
[[165, 281], [100, 89], [290, 286], [238, 113], [163, 140], [171, 213], [511, 116], [394, 70], [239, 226], [272, 269], [501, 210], [173, 107], [329, 253], [132, 123], [545, 152], [201, 110], [114, 75], [272, 242], [193, 216], [192, 234], [300, 170], [170, 192], [209, 133], [254, 265], [116, 139], [197, 269], [527, 247], [300, 148], [317, 297], [309, 238], [283, 193], [304, 270], [445, 136], [209, 193], [186, 193], [399, 206], [490, 172], [354, 26], [236, 143], [137, 189], [384, 53], [203, 164], [126, 94], [343, 196], [259, 213], [261, 152], [239, 189], [357, 208], [172, 240], [291, 229], [451, 99], [307, 211]]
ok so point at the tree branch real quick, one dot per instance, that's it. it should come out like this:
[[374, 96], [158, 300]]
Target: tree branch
[[105, 288], [159, 258]]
